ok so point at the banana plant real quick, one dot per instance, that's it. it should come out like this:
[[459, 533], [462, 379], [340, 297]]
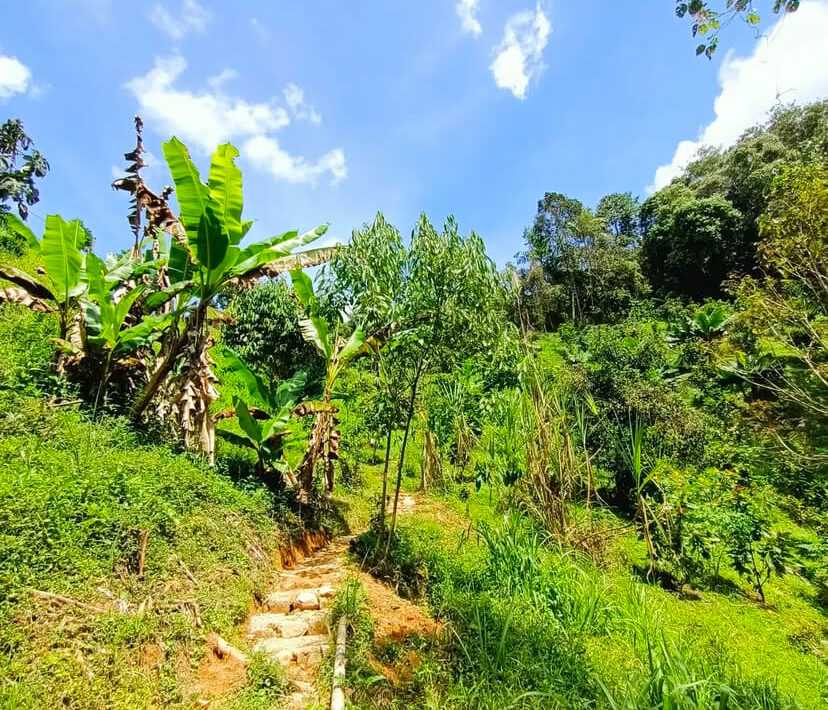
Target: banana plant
[[206, 256], [323, 444], [63, 264], [107, 304], [706, 323], [263, 419]]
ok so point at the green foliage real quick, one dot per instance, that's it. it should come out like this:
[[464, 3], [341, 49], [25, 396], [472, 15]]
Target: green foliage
[[706, 322], [690, 245], [674, 679], [20, 166], [266, 685], [785, 314], [756, 551], [590, 274], [265, 428], [704, 226], [707, 19], [25, 349], [265, 331]]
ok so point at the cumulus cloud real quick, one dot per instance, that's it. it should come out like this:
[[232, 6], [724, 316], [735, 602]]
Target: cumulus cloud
[[467, 12], [211, 116], [191, 18], [15, 77], [786, 65], [295, 99], [520, 53], [265, 152]]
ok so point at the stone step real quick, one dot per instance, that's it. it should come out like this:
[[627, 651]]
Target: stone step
[[286, 601], [299, 623], [304, 649]]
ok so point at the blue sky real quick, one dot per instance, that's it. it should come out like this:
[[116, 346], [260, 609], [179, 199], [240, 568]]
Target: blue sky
[[342, 108]]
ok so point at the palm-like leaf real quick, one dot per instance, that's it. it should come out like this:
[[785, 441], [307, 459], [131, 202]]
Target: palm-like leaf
[[62, 259], [18, 226], [255, 385], [225, 183]]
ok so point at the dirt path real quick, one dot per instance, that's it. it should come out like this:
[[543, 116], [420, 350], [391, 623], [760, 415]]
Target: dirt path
[[292, 626]]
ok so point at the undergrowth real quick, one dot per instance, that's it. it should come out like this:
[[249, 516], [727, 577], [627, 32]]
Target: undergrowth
[[530, 624]]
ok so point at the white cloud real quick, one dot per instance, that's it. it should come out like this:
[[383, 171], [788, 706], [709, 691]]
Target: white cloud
[[15, 77], [205, 118], [218, 81], [789, 64], [467, 12], [211, 116], [520, 53], [192, 18], [295, 99], [266, 153]]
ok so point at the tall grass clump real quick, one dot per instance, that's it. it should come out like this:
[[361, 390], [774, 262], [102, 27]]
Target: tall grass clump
[[673, 678]]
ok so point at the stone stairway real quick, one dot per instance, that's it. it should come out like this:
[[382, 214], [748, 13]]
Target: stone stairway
[[292, 627]]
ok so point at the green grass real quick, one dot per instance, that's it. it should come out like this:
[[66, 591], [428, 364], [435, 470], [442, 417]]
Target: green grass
[[530, 624], [75, 497]]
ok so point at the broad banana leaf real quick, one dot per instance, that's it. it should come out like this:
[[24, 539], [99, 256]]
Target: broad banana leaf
[[303, 286], [289, 244], [255, 385], [235, 438], [201, 215], [61, 255], [315, 331], [192, 194], [247, 423], [225, 183], [179, 267], [353, 347], [280, 246], [288, 392], [274, 427], [157, 299], [17, 225], [302, 260]]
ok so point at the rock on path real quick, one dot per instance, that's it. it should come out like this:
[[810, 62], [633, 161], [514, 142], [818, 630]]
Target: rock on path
[[293, 626]]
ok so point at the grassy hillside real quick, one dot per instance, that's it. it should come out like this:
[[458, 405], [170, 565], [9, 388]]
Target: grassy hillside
[[76, 499], [529, 624]]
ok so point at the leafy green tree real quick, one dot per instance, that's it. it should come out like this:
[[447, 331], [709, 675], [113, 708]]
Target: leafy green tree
[[591, 271], [264, 331], [368, 279], [441, 298], [20, 166], [786, 312], [691, 245], [453, 306], [705, 224], [757, 552], [619, 214]]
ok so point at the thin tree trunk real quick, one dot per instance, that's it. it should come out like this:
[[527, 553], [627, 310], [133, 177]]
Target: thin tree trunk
[[401, 460], [381, 535]]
